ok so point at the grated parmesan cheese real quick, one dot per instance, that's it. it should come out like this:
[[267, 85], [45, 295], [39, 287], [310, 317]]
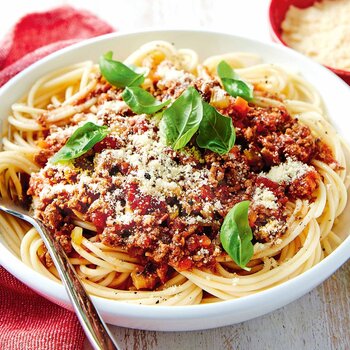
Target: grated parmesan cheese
[[321, 31], [272, 228], [168, 73], [288, 172], [108, 107], [265, 197]]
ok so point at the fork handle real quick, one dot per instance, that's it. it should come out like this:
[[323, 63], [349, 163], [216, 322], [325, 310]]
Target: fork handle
[[91, 321]]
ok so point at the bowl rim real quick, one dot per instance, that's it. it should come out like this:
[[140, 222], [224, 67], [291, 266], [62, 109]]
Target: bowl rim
[[277, 37], [279, 293]]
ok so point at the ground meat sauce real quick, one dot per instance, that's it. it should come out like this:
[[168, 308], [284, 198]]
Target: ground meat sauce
[[166, 207]]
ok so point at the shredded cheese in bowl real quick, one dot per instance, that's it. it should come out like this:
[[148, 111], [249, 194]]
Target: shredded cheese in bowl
[[321, 31]]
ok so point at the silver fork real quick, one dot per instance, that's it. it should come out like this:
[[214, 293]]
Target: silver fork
[[91, 321]]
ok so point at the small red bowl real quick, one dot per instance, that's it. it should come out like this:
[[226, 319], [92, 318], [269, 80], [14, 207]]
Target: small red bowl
[[277, 13]]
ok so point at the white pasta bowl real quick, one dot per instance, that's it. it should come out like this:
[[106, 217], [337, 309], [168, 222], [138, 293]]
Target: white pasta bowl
[[335, 94]]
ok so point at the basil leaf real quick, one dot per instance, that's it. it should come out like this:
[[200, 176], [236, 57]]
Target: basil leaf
[[236, 235], [140, 101], [231, 82], [225, 71], [216, 132], [181, 120], [117, 73], [81, 141], [238, 88]]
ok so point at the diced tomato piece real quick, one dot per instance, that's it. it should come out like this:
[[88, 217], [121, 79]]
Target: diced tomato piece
[[193, 243], [99, 219], [145, 204], [272, 185], [205, 241], [185, 264], [241, 106], [207, 193], [107, 143]]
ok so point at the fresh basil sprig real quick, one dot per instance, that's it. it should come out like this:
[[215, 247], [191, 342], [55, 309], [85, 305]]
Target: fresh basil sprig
[[181, 120], [216, 132], [81, 141], [117, 73], [231, 82], [236, 235], [140, 101]]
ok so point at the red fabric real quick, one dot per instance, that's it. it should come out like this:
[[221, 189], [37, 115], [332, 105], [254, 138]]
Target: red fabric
[[38, 34], [28, 321]]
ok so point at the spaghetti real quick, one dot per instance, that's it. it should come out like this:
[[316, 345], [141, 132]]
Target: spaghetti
[[139, 220]]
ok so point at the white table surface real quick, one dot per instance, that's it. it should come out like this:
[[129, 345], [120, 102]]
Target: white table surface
[[319, 320]]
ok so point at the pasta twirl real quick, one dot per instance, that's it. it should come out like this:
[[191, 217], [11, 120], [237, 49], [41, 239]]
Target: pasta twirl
[[141, 219]]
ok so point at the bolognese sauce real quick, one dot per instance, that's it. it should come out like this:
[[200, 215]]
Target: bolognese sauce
[[166, 207]]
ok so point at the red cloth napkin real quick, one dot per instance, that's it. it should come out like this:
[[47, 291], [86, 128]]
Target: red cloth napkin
[[28, 321], [38, 34]]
